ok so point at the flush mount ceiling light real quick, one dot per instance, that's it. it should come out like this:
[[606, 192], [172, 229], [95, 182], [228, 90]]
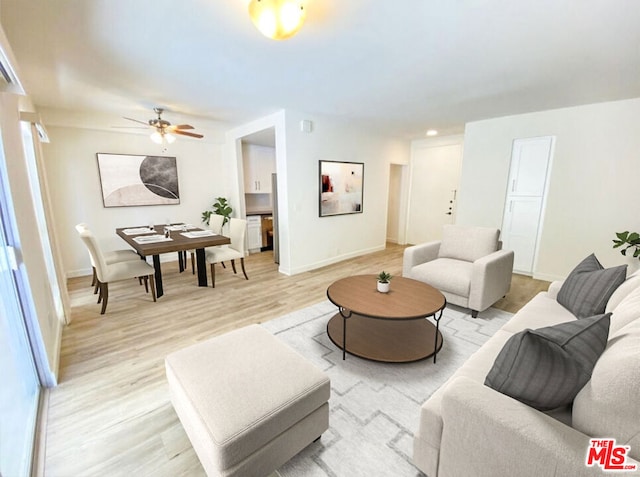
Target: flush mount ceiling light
[[432, 132], [277, 19]]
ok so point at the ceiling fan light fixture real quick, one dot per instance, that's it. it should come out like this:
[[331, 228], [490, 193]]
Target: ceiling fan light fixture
[[277, 19], [160, 137], [156, 137]]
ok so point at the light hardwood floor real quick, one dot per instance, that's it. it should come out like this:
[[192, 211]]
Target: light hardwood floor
[[111, 414]]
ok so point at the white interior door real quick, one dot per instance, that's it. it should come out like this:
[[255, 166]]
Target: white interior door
[[525, 200], [521, 226], [435, 175]]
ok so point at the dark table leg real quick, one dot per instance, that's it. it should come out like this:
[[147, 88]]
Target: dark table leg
[[156, 266], [435, 344], [346, 314], [181, 258], [202, 267]]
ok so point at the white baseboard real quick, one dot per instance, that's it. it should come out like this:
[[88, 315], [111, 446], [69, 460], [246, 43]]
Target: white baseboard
[[547, 277], [332, 260]]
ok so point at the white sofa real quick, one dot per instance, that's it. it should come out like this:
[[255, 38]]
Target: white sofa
[[469, 429], [467, 266]]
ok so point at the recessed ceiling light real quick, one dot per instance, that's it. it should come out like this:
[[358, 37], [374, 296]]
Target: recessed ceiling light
[[432, 132]]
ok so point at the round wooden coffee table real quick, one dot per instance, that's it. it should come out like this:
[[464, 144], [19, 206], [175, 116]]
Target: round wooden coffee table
[[389, 327]]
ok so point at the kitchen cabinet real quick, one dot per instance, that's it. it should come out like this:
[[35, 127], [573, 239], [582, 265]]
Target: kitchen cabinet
[[254, 233], [259, 163]]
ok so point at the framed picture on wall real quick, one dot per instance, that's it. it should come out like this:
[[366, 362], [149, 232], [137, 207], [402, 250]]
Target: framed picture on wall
[[341, 188], [132, 180]]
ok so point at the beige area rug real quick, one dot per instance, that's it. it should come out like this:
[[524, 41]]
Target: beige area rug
[[374, 407]]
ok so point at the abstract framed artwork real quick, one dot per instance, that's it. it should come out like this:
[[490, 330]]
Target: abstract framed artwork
[[133, 180], [341, 188]]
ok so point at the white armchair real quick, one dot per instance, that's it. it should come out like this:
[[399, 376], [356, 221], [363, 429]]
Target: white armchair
[[467, 266]]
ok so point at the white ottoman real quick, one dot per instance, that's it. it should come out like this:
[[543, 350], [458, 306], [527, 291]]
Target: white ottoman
[[247, 401]]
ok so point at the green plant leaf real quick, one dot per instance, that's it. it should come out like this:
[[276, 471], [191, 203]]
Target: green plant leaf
[[622, 235], [634, 237]]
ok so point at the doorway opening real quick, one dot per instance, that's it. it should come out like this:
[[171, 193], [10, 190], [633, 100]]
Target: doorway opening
[[260, 196]]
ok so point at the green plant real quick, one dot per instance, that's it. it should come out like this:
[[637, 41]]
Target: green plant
[[384, 277], [220, 207], [631, 240]]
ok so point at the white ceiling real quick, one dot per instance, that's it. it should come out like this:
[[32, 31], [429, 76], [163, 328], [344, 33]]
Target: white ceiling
[[400, 65]]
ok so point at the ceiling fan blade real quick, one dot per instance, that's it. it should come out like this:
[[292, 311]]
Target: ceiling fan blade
[[182, 126], [184, 133], [136, 121]]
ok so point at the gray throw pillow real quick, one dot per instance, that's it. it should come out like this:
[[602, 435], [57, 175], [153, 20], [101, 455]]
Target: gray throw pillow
[[547, 367], [589, 286]]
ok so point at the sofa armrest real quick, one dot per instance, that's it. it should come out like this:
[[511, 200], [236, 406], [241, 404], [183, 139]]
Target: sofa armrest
[[486, 433], [490, 279], [417, 254], [554, 288]]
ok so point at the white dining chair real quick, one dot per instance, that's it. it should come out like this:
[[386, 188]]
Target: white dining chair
[[114, 256], [236, 249], [215, 225], [112, 272]]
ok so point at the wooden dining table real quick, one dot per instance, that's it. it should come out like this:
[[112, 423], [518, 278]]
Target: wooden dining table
[[178, 243]]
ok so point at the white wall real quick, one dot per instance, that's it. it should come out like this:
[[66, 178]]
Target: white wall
[[72, 171], [317, 241], [593, 184]]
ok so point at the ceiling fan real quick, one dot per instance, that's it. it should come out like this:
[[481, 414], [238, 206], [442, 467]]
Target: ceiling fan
[[164, 130]]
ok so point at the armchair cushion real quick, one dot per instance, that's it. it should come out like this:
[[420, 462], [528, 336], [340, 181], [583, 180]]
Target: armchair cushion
[[468, 243], [589, 286], [547, 367], [445, 274]]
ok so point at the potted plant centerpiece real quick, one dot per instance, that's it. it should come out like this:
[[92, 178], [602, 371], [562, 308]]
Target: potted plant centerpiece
[[384, 279], [220, 207]]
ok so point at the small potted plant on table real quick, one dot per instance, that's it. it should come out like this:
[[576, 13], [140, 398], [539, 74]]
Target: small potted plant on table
[[384, 280]]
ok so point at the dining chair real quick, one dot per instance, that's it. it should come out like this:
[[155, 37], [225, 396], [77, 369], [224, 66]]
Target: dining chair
[[112, 272], [115, 256], [236, 249], [215, 225]]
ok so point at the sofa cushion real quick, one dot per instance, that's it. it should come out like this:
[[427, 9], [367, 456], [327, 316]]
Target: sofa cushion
[[608, 403], [630, 284], [542, 310], [588, 287], [626, 312], [445, 274], [468, 243], [547, 367]]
